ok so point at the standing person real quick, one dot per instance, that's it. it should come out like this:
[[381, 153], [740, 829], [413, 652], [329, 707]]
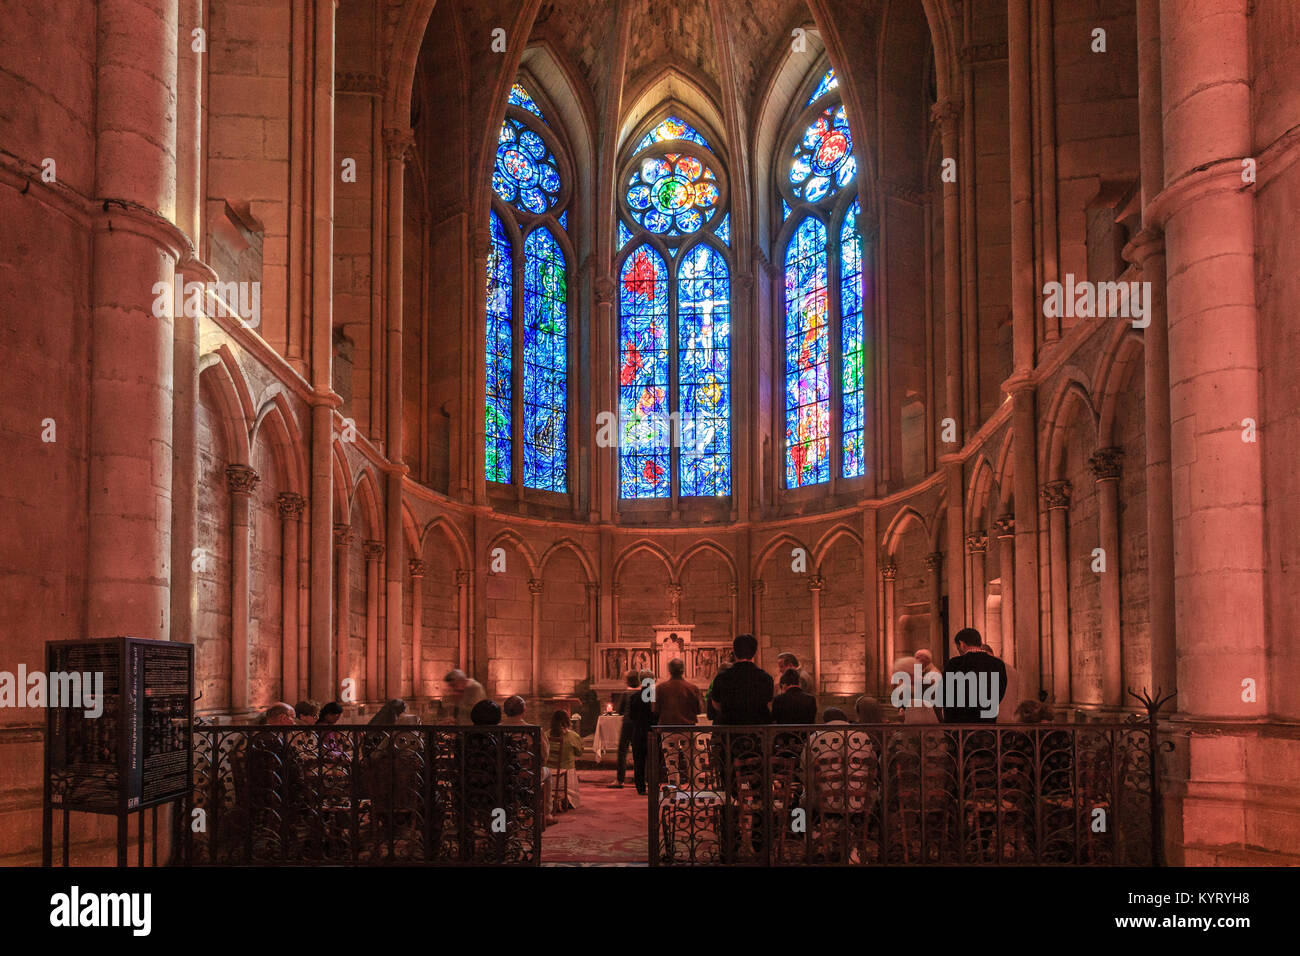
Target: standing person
[[788, 661], [463, 692], [640, 715], [711, 709], [677, 701], [633, 682], [793, 705], [743, 694], [1011, 699], [972, 659]]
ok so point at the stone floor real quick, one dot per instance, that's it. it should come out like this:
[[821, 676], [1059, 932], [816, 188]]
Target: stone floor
[[609, 828]]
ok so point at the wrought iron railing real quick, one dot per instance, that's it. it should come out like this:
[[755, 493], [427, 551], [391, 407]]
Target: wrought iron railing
[[365, 795], [1079, 794]]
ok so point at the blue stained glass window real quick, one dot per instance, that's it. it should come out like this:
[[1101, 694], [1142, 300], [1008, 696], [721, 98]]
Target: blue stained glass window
[[520, 97], [823, 159], [852, 345], [671, 128], [673, 194], [704, 372], [624, 234], [564, 220], [546, 362], [723, 231], [644, 438], [526, 174], [499, 360], [828, 82], [785, 210], [807, 358]]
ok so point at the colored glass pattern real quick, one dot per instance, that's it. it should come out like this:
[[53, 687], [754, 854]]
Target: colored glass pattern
[[671, 128], [526, 174], [723, 231], [704, 373], [852, 345], [545, 363], [499, 359], [823, 159], [828, 82], [523, 99], [807, 365], [644, 442], [624, 234], [673, 194]]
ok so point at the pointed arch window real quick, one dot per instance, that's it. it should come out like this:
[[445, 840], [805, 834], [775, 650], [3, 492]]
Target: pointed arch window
[[825, 394], [527, 329], [674, 415]]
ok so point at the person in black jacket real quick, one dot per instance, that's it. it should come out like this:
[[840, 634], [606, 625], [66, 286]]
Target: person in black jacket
[[640, 717], [743, 693], [633, 688], [986, 669], [793, 705]]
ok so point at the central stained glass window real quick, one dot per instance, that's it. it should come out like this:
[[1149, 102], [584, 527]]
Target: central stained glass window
[[674, 394], [825, 348], [526, 426]]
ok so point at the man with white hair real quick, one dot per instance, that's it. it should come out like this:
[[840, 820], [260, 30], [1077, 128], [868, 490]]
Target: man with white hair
[[924, 658]]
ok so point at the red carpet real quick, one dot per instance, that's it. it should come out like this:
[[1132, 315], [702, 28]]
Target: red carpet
[[609, 827]]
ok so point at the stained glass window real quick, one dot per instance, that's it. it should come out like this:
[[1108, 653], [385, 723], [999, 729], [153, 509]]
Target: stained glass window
[[828, 82], [851, 345], [723, 231], [545, 362], [823, 158], [671, 128], [499, 289], [526, 174], [704, 372], [673, 194], [807, 364], [523, 99], [527, 318], [644, 438]]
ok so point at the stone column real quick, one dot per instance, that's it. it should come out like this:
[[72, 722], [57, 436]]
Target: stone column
[[1208, 217], [242, 481], [291, 507], [373, 551], [614, 593], [1056, 496], [934, 564], [1004, 528], [593, 610], [733, 592], [604, 393], [418, 570], [1105, 464], [889, 574], [464, 594], [756, 588], [134, 246], [815, 584], [343, 537], [947, 113], [535, 681], [977, 544], [397, 144]]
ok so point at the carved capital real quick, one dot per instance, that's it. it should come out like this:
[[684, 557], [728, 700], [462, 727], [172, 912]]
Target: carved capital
[[615, 590], [373, 550], [1056, 494], [534, 585], [343, 535], [743, 283], [605, 289], [757, 586], [977, 542], [946, 112], [462, 578], [480, 242], [934, 560], [291, 505], [593, 589], [417, 567], [241, 479], [889, 572], [733, 589], [816, 582], [398, 143], [1004, 526], [1105, 463]]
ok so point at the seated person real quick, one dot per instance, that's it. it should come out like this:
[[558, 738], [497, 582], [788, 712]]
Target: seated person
[[308, 711], [486, 713], [869, 710], [564, 747]]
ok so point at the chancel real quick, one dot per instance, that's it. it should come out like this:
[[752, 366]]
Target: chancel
[[495, 395]]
